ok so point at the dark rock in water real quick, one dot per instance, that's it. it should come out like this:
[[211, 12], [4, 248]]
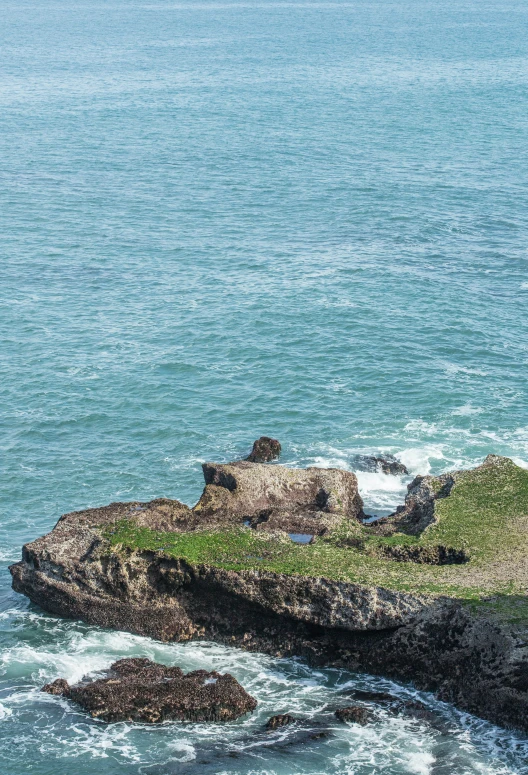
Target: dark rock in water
[[60, 687], [387, 464], [356, 714], [141, 690], [264, 450], [281, 720], [417, 710]]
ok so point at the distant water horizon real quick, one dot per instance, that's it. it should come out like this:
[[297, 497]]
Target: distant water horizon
[[219, 220]]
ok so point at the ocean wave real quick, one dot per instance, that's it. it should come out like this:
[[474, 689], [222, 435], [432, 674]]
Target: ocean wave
[[280, 686]]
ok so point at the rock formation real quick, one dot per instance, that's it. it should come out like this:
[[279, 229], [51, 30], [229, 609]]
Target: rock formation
[[387, 464], [281, 720], [141, 690], [384, 622], [356, 714], [296, 500], [264, 450]]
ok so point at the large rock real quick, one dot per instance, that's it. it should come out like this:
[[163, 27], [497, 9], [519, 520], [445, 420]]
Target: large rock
[[264, 450], [141, 690], [244, 490]]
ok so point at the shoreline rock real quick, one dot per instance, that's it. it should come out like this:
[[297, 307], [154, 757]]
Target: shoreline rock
[[435, 642], [140, 690], [386, 464], [264, 450]]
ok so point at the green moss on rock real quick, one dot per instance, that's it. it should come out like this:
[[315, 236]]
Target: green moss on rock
[[485, 515]]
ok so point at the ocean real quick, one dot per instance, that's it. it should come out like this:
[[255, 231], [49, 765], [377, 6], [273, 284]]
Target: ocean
[[225, 219]]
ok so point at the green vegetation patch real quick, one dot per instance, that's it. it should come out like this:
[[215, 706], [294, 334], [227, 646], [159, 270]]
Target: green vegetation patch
[[486, 515]]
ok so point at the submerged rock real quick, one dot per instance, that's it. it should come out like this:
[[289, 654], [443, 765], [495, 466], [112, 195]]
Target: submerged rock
[[281, 720], [378, 698], [387, 464], [264, 450], [356, 714], [141, 690]]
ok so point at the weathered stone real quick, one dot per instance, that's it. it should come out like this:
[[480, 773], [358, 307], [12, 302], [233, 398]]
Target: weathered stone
[[161, 514], [356, 714], [281, 720], [59, 687], [386, 464], [264, 450], [428, 555], [309, 522], [141, 690], [244, 490]]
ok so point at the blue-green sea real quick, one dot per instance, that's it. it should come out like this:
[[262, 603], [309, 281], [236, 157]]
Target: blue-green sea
[[227, 218]]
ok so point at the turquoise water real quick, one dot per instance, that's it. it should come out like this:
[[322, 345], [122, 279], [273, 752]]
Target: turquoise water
[[224, 219]]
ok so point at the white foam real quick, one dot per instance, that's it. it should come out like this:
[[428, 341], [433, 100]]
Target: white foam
[[9, 554], [381, 492], [420, 763], [466, 410], [187, 751], [454, 368], [418, 459]]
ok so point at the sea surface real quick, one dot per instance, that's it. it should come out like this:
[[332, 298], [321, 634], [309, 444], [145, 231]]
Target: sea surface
[[222, 219]]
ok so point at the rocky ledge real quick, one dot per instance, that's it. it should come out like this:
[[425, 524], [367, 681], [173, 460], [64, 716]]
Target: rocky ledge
[[435, 594], [141, 690]]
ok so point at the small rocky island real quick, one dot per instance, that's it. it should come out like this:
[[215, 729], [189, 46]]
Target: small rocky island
[[140, 690], [280, 560]]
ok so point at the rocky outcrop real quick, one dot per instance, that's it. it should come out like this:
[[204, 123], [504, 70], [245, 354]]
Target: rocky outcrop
[[71, 572], [356, 714], [423, 494], [386, 464], [436, 643], [264, 450], [245, 490], [419, 511], [141, 690]]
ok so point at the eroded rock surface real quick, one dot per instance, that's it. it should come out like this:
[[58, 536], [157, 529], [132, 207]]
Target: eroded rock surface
[[356, 714], [245, 490], [141, 690], [264, 450], [386, 464]]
